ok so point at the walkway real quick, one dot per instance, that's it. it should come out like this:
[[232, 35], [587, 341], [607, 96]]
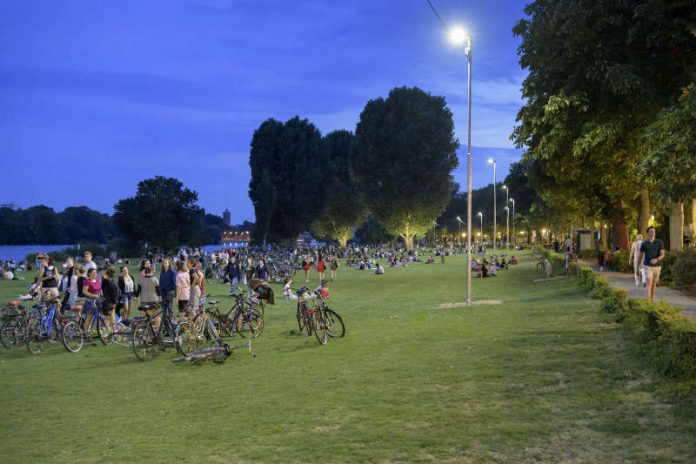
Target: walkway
[[666, 294]]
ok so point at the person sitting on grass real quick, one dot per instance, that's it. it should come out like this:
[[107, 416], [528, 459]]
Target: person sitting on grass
[[323, 289], [288, 294], [513, 260], [379, 270]]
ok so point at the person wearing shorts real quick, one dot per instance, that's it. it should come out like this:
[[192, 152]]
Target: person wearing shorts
[[652, 252]]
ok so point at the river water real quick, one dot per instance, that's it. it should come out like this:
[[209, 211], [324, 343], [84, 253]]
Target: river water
[[19, 252]]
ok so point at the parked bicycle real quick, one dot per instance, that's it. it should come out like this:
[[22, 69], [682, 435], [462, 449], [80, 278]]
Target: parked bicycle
[[197, 334], [218, 354], [315, 317], [13, 322], [148, 336]]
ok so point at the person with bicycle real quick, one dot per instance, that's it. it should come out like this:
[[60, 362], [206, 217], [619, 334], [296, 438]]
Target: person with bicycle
[[167, 284], [110, 291], [183, 288], [92, 292], [149, 293]]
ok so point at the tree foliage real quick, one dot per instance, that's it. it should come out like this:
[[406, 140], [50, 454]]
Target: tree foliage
[[598, 73], [41, 224], [287, 185], [403, 159], [163, 214], [344, 208]]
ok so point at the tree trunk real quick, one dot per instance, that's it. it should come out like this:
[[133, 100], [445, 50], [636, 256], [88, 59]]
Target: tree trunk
[[676, 227], [693, 222], [408, 240], [620, 229], [643, 212], [605, 234]]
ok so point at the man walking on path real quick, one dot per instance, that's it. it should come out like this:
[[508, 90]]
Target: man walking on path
[[634, 259], [652, 252]]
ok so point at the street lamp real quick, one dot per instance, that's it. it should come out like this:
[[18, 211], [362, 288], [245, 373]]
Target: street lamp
[[512, 200], [481, 216], [495, 211], [459, 37], [507, 221]]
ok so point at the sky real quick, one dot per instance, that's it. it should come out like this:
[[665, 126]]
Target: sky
[[97, 96]]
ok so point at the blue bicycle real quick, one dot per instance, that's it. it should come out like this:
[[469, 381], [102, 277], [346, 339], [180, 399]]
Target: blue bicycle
[[74, 337], [43, 326]]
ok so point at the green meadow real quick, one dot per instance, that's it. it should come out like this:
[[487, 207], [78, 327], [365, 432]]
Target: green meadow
[[542, 376]]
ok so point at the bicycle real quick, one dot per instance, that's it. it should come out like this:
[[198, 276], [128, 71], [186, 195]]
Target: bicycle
[[218, 354], [13, 325], [246, 317], [315, 317], [199, 332], [74, 335], [146, 337], [42, 326]]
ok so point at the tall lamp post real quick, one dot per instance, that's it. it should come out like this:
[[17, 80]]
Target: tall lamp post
[[495, 211], [512, 200], [458, 37], [507, 225], [459, 220]]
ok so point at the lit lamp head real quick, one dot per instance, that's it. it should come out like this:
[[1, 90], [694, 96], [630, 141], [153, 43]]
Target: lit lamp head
[[458, 36]]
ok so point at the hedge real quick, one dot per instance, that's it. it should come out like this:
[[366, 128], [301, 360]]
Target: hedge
[[667, 338]]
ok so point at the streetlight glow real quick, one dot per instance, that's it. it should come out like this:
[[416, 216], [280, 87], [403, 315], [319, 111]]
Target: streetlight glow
[[458, 36]]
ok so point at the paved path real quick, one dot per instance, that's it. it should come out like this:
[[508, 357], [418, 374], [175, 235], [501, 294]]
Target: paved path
[[668, 295]]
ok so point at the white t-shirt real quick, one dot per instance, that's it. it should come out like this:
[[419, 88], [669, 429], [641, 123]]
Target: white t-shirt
[[90, 265]]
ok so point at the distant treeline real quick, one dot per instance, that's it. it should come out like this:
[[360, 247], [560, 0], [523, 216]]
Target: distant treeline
[[78, 224], [41, 224]]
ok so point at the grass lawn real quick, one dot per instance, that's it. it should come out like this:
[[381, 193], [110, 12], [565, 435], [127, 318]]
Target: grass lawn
[[542, 377]]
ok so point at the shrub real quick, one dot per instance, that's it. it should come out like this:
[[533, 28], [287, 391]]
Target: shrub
[[619, 261], [616, 301], [587, 254], [684, 268], [666, 276]]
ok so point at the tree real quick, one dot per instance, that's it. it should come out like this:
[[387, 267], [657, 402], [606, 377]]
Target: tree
[[671, 158], [598, 72], [264, 158], [287, 185], [163, 214], [344, 208], [403, 160], [214, 226]]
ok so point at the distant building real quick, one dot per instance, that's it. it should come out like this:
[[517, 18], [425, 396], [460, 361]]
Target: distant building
[[227, 217], [236, 236]]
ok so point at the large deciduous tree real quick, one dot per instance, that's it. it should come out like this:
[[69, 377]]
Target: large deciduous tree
[[264, 158], [163, 214], [403, 160], [671, 160], [599, 70], [287, 185], [344, 209]]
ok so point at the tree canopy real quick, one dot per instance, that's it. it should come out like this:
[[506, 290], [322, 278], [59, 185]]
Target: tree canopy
[[403, 158], [163, 214]]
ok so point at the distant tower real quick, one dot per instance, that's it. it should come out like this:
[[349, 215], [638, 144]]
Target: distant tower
[[227, 217]]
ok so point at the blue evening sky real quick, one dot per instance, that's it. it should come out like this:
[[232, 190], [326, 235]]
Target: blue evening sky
[[98, 95]]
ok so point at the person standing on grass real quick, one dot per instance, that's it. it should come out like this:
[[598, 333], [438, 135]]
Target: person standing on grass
[[92, 292], [321, 267], [333, 267], [167, 284], [183, 287], [194, 277], [111, 295], [149, 293], [652, 252], [261, 270], [88, 264], [634, 259], [127, 287], [233, 272], [306, 267]]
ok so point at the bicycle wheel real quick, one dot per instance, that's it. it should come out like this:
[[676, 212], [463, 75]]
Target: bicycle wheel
[[12, 333], [250, 324], [334, 323], [104, 330], [72, 337], [144, 343], [34, 339], [320, 328], [185, 340]]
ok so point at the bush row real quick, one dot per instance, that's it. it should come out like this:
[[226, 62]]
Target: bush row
[[667, 338]]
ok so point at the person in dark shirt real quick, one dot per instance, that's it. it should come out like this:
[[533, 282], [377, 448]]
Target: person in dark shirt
[[261, 270], [234, 273], [111, 295], [652, 252]]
